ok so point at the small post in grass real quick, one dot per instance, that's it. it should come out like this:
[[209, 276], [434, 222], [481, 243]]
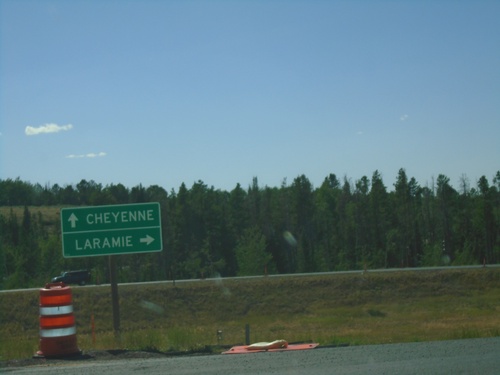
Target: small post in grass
[[247, 334], [92, 326], [219, 336]]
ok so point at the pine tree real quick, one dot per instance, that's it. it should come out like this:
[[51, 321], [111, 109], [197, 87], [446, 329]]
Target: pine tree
[[251, 253]]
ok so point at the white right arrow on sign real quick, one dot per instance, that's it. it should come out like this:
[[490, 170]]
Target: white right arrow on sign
[[148, 239]]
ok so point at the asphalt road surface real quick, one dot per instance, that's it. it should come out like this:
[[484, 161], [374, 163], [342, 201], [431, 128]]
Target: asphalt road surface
[[471, 356]]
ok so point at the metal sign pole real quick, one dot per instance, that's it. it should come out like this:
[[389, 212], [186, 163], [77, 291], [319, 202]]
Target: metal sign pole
[[114, 296]]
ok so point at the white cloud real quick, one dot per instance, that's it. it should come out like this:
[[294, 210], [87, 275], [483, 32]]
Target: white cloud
[[90, 155], [47, 128], [404, 117]]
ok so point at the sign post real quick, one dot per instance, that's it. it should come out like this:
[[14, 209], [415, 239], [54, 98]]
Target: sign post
[[114, 297], [111, 230]]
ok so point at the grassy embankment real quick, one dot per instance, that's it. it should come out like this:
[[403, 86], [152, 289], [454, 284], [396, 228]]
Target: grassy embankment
[[350, 309]]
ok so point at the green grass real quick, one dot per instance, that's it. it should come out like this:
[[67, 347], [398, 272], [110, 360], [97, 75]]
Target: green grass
[[369, 308]]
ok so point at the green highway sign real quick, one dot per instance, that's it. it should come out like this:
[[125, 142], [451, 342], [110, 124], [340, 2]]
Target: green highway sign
[[110, 230]]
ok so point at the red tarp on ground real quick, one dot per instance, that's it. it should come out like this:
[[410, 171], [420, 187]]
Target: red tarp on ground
[[245, 350]]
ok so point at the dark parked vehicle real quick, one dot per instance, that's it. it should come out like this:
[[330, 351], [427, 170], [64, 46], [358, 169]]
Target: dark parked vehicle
[[80, 277]]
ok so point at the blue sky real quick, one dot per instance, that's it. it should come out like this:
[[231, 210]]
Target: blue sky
[[165, 92]]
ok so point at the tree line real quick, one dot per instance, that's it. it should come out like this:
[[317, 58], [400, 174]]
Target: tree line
[[340, 225]]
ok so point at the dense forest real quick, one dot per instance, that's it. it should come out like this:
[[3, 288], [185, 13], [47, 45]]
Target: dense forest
[[340, 225]]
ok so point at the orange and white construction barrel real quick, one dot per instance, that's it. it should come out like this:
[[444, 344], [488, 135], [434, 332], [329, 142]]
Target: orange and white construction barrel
[[57, 322]]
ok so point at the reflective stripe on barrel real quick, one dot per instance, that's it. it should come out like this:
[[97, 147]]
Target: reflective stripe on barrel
[[59, 332], [56, 310]]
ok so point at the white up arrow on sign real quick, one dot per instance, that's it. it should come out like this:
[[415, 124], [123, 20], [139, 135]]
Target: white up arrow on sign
[[73, 219]]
